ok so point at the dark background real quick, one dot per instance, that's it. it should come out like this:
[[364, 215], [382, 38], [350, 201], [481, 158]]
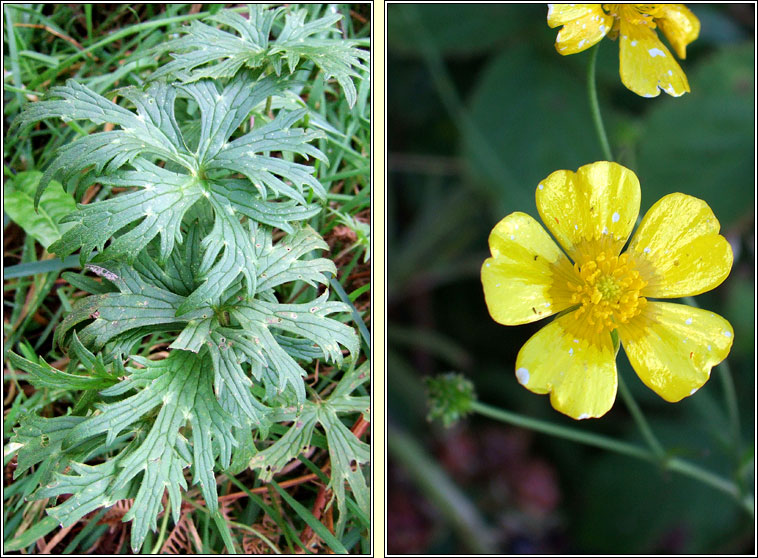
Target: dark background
[[480, 108]]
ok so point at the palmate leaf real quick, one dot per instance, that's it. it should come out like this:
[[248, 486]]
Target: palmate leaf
[[160, 197], [269, 335], [346, 452], [181, 386], [208, 52]]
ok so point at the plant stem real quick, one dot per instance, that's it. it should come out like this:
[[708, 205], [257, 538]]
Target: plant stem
[[598, 440], [595, 106], [565, 432], [455, 506], [640, 419]]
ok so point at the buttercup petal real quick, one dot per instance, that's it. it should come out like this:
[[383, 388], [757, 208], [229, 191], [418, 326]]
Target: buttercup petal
[[646, 65], [600, 201], [678, 250], [673, 347], [579, 373], [518, 278], [679, 24], [583, 26]]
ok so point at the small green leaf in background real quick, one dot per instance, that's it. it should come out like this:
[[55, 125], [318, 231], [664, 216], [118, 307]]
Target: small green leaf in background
[[533, 112], [42, 224], [703, 144], [459, 29]]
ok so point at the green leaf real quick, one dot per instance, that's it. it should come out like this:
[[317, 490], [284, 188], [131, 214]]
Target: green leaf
[[296, 440], [44, 224], [44, 375], [42, 440], [553, 115], [158, 198], [224, 54], [182, 387], [703, 144], [271, 335], [32, 535], [459, 30], [346, 452], [89, 489]]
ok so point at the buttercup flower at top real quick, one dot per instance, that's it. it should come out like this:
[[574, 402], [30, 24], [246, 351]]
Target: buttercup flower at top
[[675, 252], [646, 65]]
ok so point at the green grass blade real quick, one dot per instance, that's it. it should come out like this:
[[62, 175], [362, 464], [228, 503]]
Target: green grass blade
[[44, 266], [318, 527]]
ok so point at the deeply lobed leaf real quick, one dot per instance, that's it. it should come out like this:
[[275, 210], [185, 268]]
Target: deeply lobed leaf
[[208, 52]]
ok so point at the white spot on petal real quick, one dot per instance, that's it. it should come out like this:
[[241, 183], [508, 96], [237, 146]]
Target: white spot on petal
[[583, 416], [571, 351], [512, 237], [671, 73], [576, 340], [693, 391], [634, 43], [656, 52], [541, 186], [727, 334], [615, 217], [688, 321], [522, 375], [647, 250]]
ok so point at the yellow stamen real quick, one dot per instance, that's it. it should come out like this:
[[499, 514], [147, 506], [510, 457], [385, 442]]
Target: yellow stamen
[[608, 290]]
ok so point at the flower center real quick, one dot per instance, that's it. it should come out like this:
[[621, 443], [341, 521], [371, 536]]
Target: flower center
[[637, 14], [608, 291]]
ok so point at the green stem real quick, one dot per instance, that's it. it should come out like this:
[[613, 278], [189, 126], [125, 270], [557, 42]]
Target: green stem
[[598, 440], [444, 494], [565, 432], [640, 419], [162, 534], [595, 106]]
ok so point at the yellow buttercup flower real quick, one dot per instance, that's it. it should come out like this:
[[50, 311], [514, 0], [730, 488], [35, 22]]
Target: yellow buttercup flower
[[677, 251], [646, 65]]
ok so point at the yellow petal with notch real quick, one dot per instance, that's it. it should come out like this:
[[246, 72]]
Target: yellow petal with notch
[[583, 26], [646, 65], [518, 278], [592, 210], [677, 248], [578, 371], [673, 347], [679, 24]]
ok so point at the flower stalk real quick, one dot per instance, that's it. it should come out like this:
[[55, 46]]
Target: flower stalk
[[673, 464], [597, 118]]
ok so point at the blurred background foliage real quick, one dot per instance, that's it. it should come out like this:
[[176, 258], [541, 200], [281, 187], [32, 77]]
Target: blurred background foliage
[[480, 108]]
